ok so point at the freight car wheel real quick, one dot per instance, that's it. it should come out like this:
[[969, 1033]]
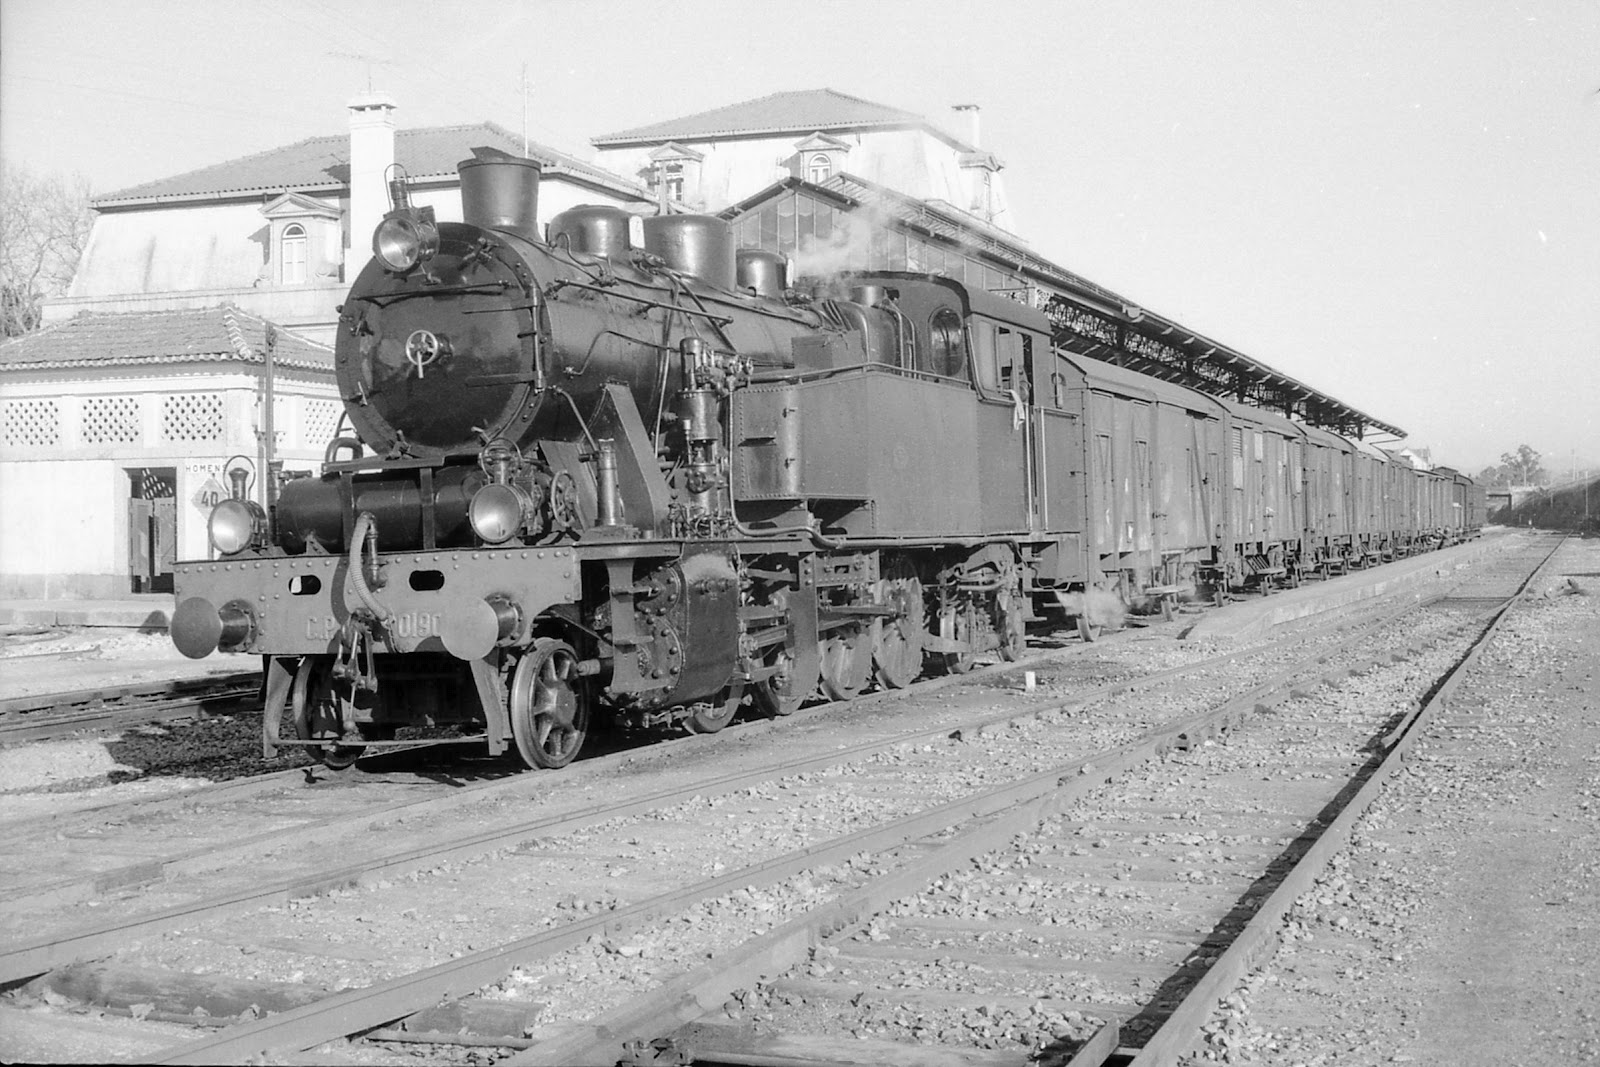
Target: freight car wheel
[[549, 705], [316, 713], [846, 659]]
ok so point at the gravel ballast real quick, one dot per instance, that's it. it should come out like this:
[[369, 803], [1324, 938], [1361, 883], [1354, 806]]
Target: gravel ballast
[[1461, 925]]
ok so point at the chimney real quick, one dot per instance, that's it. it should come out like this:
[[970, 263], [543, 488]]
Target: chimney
[[972, 122], [371, 153]]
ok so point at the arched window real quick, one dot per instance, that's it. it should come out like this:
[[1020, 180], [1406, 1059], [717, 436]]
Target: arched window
[[819, 168], [292, 255], [949, 354]]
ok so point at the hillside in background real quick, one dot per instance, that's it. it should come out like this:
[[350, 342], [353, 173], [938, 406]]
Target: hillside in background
[[1569, 507]]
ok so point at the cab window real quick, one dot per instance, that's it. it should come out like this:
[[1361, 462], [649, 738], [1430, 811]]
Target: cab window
[[949, 351], [1001, 354]]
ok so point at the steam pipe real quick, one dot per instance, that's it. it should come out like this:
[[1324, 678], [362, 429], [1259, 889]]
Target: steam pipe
[[363, 537]]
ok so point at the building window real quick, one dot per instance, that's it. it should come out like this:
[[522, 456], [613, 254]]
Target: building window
[[819, 169], [667, 181], [292, 254]]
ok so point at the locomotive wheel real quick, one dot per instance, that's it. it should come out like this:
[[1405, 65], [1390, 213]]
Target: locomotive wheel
[[316, 714], [712, 716], [897, 642], [960, 662], [784, 692], [549, 705], [1013, 627], [846, 658], [1088, 631]]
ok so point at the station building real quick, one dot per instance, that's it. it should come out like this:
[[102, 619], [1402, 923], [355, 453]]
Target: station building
[[150, 375]]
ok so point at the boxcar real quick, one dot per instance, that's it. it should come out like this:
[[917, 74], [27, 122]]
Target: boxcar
[[1153, 458], [1264, 488]]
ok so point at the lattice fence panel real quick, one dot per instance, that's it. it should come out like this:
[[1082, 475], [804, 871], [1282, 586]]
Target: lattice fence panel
[[192, 417], [112, 420], [319, 418], [32, 423]]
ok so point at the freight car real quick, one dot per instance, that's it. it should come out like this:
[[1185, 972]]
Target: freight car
[[593, 480]]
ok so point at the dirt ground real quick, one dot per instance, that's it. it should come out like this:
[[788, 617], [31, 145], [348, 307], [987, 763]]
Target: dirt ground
[[1461, 927]]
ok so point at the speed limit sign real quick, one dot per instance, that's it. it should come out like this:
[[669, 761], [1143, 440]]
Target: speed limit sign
[[209, 495]]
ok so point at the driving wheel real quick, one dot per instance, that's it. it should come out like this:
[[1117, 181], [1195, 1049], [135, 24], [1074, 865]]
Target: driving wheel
[[897, 640], [846, 658], [716, 713], [785, 691]]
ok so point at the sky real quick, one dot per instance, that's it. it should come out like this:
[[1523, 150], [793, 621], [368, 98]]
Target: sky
[[1397, 203]]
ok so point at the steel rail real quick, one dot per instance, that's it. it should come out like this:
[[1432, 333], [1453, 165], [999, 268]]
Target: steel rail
[[110, 720], [175, 688], [355, 1011], [99, 710]]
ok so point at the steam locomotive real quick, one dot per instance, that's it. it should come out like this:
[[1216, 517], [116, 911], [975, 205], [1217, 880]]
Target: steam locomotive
[[649, 484]]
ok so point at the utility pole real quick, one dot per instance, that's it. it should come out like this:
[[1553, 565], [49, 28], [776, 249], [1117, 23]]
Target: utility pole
[[270, 464], [524, 84]]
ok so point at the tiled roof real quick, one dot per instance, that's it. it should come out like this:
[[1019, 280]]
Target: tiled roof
[[795, 111], [324, 163], [186, 336]]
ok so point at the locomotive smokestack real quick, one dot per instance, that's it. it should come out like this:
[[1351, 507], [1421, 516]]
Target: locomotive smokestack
[[501, 194]]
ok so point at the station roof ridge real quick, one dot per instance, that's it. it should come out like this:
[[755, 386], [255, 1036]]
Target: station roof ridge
[[186, 335], [1094, 321], [322, 164], [787, 111]]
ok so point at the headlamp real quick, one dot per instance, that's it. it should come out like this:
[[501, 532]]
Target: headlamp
[[496, 513], [405, 238], [236, 525]]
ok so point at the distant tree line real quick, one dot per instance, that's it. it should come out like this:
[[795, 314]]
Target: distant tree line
[[1521, 467], [44, 225]]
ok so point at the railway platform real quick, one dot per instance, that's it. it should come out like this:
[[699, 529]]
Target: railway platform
[[1249, 620], [147, 613]]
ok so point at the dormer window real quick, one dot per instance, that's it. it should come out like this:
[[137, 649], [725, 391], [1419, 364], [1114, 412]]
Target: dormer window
[[818, 158], [674, 174], [303, 242], [672, 180], [292, 255]]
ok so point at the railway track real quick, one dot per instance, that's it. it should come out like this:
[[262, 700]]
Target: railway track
[[113, 708], [879, 790]]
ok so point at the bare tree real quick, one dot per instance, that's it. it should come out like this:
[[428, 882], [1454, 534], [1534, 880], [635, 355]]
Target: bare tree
[[44, 225]]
